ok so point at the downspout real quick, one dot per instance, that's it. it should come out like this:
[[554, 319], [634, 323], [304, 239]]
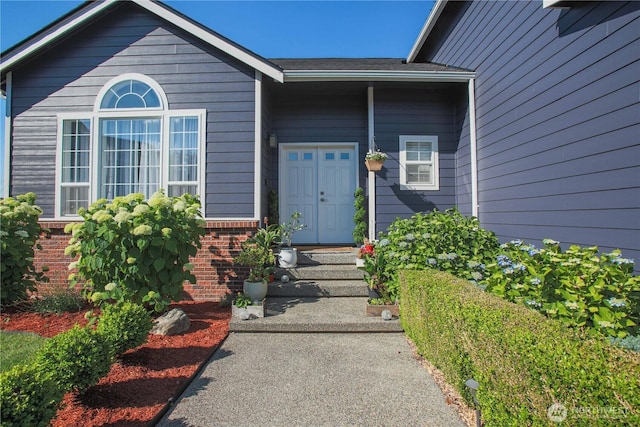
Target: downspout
[[473, 148], [7, 134], [257, 181], [371, 181]]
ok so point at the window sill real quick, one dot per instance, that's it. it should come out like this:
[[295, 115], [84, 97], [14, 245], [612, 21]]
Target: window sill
[[417, 187]]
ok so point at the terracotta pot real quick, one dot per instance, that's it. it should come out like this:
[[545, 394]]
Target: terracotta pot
[[374, 165]]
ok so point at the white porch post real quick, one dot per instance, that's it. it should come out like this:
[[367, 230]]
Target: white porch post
[[473, 148], [7, 135], [371, 181], [257, 181]]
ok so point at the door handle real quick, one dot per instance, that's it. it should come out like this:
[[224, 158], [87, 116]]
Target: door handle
[[322, 199]]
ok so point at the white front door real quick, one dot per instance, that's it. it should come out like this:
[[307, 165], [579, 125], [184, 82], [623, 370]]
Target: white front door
[[319, 181]]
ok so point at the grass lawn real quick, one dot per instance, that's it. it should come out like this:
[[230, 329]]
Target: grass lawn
[[17, 348]]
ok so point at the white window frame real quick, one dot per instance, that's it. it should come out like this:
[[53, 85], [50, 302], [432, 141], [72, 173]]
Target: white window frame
[[404, 185], [95, 118]]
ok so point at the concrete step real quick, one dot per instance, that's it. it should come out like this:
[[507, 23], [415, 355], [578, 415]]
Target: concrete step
[[315, 314], [316, 257], [318, 288], [322, 272]]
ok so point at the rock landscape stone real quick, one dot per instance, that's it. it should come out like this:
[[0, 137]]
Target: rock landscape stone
[[174, 322]]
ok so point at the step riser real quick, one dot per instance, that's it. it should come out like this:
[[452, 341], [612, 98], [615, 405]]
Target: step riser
[[309, 288], [314, 274], [330, 258]]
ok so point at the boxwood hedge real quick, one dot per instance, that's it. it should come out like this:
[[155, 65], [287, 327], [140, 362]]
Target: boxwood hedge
[[524, 362]]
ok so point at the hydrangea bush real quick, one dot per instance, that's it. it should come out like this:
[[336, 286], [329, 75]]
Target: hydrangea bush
[[577, 286], [19, 234], [143, 246], [446, 241]]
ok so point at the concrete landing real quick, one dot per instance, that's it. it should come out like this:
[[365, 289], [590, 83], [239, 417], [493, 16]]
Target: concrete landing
[[315, 314]]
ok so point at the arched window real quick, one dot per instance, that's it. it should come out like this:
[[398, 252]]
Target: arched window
[[131, 143], [130, 93]]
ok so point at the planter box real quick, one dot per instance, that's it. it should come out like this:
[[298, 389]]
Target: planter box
[[255, 310], [376, 310]]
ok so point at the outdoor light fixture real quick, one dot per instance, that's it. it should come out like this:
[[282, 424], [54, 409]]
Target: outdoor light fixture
[[473, 387], [273, 140], [386, 314]]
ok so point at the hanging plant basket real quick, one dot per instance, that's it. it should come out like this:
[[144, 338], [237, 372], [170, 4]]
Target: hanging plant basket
[[374, 165]]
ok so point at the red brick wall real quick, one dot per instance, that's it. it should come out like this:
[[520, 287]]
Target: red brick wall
[[214, 270]]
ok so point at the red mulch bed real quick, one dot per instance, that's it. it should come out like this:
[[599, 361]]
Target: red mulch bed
[[143, 380]]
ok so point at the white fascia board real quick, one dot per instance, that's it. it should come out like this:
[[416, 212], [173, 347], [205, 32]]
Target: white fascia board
[[377, 76], [157, 9], [426, 29], [54, 34]]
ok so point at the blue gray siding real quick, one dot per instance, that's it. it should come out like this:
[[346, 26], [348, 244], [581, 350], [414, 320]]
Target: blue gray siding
[[414, 110], [317, 112], [557, 117], [193, 76]]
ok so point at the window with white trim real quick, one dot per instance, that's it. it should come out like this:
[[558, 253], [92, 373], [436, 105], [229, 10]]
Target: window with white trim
[[419, 168], [131, 143]]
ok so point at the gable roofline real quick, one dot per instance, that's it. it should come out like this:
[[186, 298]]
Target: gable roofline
[[436, 11], [91, 9]]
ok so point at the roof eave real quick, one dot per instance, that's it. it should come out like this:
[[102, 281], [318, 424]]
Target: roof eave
[[93, 9], [436, 11], [386, 75]]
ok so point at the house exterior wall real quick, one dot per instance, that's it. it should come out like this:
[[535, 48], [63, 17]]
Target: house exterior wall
[[193, 76], [68, 77], [557, 116], [414, 109]]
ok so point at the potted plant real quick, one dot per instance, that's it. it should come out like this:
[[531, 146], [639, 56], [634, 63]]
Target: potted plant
[[367, 249], [374, 160], [257, 258], [288, 256], [268, 238], [382, 295], [244, 308]]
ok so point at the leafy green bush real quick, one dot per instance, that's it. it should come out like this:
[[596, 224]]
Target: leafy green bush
[[28, 397], [143, 245], [75, 359], [19, 234], [58, 302], [576, 286], [125, 326], [359, 217], [523, 361], [445, 241]]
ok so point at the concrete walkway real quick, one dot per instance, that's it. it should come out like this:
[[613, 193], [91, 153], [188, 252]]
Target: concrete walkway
[[313, 379]]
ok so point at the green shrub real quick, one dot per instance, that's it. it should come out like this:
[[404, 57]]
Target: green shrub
[[125, 326], [143, 245], [523, 361], [58, 302], [359, 217], [75, 359], [19, 234], [28, 397], [444, 241], [576, 286]]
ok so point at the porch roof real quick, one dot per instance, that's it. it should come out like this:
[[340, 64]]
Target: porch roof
[[366, 69]]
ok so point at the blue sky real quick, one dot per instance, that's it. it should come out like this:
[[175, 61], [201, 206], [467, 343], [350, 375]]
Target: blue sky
[[272, 29]]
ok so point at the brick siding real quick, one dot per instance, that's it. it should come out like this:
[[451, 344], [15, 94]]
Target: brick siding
[[214, 269]]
